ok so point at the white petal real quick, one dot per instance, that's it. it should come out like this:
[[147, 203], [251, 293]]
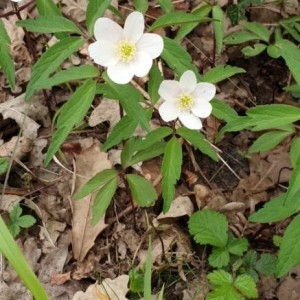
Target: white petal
[[141, 64], [134, 26], [103, 53], [106, 29], [169, 111], [190, 121], [169, 90], [204, 91], [188, 81], [201, 109], [151, 43], [120, 73]]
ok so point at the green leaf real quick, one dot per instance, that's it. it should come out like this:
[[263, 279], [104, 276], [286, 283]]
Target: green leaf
[[177, 58], [220, 73], [254, 50], [176, 18], [136, 280], [268, 141], [49, 24], [185, 29], [14, 229], [258, 29], [95, 10], [237, 246], [142, 190], [121, 131], [246, 285], [294, 186], [166, 5], [240, 37], [219, 278], [222, 110], [96, 182], [26, 221], [127, 152], [294, 152], [129, 98], [47, 8], [50, 61], [3, 165], [141, 5], [266, 265], [71, 114], [171, 170], [14, 255], [155, 79], [6, 62], [218, 23], [103, 199], [209, 227], [15, 213], [219, 258], [72, 74], [198, 140], [226, 292]]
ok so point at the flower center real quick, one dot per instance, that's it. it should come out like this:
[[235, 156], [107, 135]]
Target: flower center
[[126, 51], [185, 102]]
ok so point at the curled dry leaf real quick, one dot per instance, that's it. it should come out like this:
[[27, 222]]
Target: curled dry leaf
[[19, 151]]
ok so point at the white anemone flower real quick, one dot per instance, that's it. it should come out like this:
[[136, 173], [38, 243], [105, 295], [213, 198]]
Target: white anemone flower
[[186, 99], [125, 52], [16, 0]]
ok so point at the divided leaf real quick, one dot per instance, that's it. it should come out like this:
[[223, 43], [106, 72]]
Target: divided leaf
[[220, 277], [219, 258], [246, 285]]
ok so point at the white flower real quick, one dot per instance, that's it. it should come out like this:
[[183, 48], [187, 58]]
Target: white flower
[[16, 0], [186, 100], [125, 52]]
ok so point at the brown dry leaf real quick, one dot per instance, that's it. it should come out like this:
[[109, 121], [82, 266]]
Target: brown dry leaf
[[88, 163], [75, 8], [109, 289], [21, 150]]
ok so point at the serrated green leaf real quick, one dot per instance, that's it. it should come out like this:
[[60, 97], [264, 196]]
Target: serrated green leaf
[[219, 278], [142, 190], [129, 98], [15, 213], [237, 246], [96, 182], [47, 8], [250, 259], [240, 37], [224, 293], [141, 5], [171, 170], [95, 10], [218, 23], [155, 79], [49, 24], [220, 73], [25, 221], [258, 29], [6, 62], [209, 227], [268, 141], [184, 29], [3, 165], [50, 61], [72, 74], [254, 50], [198, 140], [14, 229], [177, 58], [71, 113], [222, 110], [266, 265], [121, 131], [294, 152], [103, 199], [219, 258], [166, 5], [176, 18], [246, 285]]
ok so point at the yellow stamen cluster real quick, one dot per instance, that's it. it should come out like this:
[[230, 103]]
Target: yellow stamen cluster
[[126, 51], [185, 102]]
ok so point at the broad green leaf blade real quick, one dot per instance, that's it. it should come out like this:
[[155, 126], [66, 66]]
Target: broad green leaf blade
[[224, 292], [218, 23], [294, 186], [6, 62], [47, 8], [127, 152], [50, 61], [171, 169], [222, 110], [95, 10], [266, 265], [141, 5], [3, 165], [268, 141], [219, 278], [129, 98], [142, 190], [71, 114], [26, 221], [237, 246], [256, 49], [294, 152], [258, 29], [14, 255], [103, 199], [246, 285], [209, 228], [96, 182], [219, 258], [166, 5], [72, 74], [198, 140], [177, 58], [49, 24], [121, 131], [220, 73], [155, 79], [240, 37], [15, 213], [176, 18]]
